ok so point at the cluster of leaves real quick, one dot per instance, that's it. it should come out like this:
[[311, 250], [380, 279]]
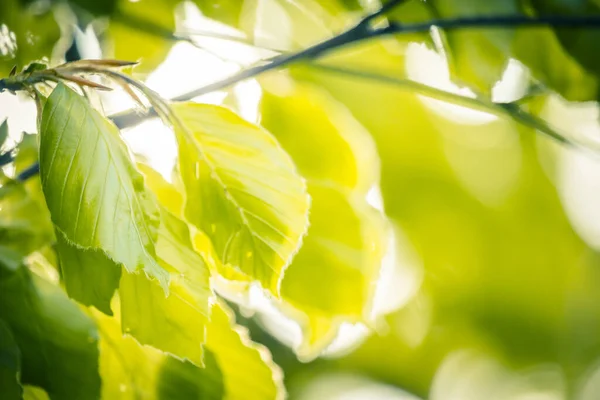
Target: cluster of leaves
[[282, 205]]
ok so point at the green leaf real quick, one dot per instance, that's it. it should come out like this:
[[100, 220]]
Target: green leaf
[[247, 368], [346, 238], [540, 50], [24, 222], [185, 381], [326, 143], [31, 33], [177, 323], [172, 324], [95, 195], [165, 192], [576, 42], [142, 31], [10, 365], [478, 57], [241, 190], [58, 342], [226, 11], [90, 277], [344, 248]]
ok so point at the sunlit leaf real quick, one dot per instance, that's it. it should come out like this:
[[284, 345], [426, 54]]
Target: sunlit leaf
[[165, 192], [237, 356], [58, 342], [342, 252], [172, 324], [177, 323], [129, 370], [326, 143], [339, 261], [90, 277], [95, 195], [10, 365], [242, 191]]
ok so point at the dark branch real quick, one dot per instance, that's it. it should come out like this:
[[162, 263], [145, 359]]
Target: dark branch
[[362, 31], [493, 21], [28, 172]]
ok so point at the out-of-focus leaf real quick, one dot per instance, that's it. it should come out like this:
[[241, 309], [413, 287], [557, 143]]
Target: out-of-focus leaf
[[95, 195], [478, 57], [326, 143], [27, 152], [247, 368], [28, 34], [576, 42], [23, 224], [341, 254], [225, 11], [10, 365], [98, 8], [339, 260], [511, 279], [58, 342], [242, 191], [185, 381], [540, 50], [27, 155], [90, 277], [142, 31]]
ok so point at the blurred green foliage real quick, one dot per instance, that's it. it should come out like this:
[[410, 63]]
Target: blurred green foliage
[[494, 285]]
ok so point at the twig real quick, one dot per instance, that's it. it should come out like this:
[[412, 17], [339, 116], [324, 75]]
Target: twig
[[363, 31], [501, 110]]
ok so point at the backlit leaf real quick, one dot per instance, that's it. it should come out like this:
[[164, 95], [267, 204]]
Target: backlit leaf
[[242, 191], [171, 324], [342, 252], [95, 195], [177, 323], [247, 368]]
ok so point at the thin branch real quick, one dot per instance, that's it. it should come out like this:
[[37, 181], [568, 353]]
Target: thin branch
[[501, 110], [359, 32], [363, 31], [28, 172], [493, 21]]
